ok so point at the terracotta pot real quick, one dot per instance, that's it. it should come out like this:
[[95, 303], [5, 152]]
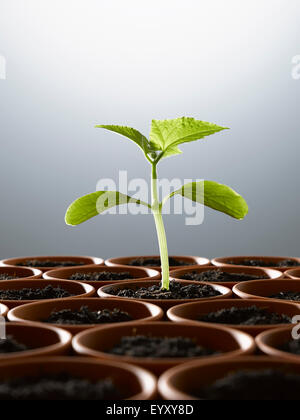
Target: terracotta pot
[[79, 290], [21, 273], [76, 259], [133, 382], [180, 382], [258, 289], [231, 261], [3, 310], [42, 341], [140, 274], [271, 274], [191, 312], [164, 304], [293, 274], [37, 312], [194, 261], [270, 343], [96, 342]]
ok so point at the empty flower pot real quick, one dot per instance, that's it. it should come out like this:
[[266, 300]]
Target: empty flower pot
[[181, 259], [19, 273], [278, 263], [39, 340], [99, 341], [185, 381], [50, 262], [132, 382], [76, 289], [192, 312], [135, 273], [293, 274], [257, 272], [273, 343], [40, 311], [165, 304], [3, 310], [267, 289]]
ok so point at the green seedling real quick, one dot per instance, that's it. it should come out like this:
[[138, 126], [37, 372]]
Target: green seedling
[[165, 137]]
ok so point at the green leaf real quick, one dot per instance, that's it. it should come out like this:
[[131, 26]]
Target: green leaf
[[216, 196], [166, 135], [132, 134], [91, 205]]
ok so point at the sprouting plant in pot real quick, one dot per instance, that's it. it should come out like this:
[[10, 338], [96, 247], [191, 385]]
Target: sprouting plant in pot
[[165, 137]]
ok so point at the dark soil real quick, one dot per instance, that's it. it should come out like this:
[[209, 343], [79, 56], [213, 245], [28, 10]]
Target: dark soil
[[159, 347], [292, 346], [254, 385], [245, 316], [295, 296], [177, 291], [262, 263], [11, 345], [86, 317], [4, 276], [101, 276], [155, 262], [49, 263], [48, 292], [219, 276], [59, 387]]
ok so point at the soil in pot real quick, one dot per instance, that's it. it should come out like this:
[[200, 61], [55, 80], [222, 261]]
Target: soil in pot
[[251, 315], [264, 263], [49, 263], [101, 276], [48, 292], [177, 291], [159, 347], [5, 276], [11, 345], [57, 387], [269, 384], [155, 262], [218, 276], [292, 346], [294, 296], [84, 316]]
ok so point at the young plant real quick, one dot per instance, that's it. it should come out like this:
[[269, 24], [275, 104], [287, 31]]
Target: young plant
[[165, 137]]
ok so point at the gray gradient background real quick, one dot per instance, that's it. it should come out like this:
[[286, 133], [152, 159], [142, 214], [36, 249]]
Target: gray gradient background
[[71, 64]]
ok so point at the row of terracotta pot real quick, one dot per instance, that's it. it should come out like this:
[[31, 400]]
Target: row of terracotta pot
[[267, 262]]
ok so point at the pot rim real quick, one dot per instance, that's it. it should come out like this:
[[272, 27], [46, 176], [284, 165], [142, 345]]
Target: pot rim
[[147, 380], [221, 261], [293, 273], [35, 273], [225, 294], [198, 260], [240, 337], [270, 350]]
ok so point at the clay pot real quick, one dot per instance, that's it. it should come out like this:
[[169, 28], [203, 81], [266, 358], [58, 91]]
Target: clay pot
[[42, 341], [180, 382], [133, 382], [270, 343], [193, 261], [21, 273], [165, 304], [96, 342], [232, 261], [258, 289], [3, 310], [39, 311], [190, 312], [76, 259], [140, 274], [264, 272], [79, 290], [293, 274]]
